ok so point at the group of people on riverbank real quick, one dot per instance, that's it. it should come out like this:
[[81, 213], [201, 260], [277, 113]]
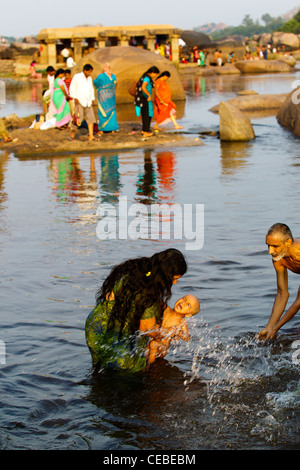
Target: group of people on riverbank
[[69, 100]]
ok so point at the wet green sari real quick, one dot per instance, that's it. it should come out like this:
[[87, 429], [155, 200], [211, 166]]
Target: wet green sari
[[108, 349]]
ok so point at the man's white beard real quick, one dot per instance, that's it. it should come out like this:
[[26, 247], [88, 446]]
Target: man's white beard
[[279, 256]]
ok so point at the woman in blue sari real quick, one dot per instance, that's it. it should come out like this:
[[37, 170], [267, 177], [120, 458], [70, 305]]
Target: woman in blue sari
[[105, 85]]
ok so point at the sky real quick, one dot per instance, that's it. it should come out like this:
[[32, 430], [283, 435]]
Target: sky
[[21, 18]]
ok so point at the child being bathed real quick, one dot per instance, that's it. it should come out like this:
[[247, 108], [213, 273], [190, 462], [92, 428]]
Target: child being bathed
[[174, 321]]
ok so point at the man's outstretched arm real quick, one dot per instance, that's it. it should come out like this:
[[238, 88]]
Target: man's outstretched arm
[[280, 300]]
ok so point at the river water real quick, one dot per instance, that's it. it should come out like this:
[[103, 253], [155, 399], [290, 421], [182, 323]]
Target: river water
[[223, 389]]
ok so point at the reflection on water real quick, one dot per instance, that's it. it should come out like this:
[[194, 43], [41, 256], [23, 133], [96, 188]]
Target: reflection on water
[[234, 156], [110, 179], [223, 389]]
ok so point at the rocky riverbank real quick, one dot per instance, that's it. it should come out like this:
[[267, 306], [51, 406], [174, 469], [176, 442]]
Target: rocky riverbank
[[26, 141]]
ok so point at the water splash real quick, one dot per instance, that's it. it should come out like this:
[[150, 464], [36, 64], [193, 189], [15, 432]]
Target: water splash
[[248, 384]]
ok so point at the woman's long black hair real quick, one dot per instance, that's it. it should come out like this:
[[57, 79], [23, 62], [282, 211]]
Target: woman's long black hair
[[145, 281], [165, 73]]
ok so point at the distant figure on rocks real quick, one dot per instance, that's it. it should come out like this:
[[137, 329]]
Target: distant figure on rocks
[[70, 62], [33, 72], [285, 252]]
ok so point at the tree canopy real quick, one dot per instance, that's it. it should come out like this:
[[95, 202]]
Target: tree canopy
[[293, 25], [249, 27]]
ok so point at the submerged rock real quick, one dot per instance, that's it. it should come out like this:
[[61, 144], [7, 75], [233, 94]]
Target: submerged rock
[[234, 125]]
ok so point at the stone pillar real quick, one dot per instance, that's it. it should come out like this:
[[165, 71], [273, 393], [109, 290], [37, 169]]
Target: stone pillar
[[43, 53], [51, 51], [124, 39], [101, 40], [77, 40], [151, 39], [175, 48]]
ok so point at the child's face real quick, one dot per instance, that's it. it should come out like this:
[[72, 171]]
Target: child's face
[[187, 305]]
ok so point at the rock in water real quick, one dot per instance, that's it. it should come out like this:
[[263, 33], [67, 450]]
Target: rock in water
[[234, 125], [263, 66], [289, 114]]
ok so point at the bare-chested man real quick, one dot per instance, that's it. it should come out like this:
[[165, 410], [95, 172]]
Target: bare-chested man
[[285, 253]]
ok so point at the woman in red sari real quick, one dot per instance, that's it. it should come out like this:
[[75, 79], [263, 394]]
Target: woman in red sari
[[164, 108]]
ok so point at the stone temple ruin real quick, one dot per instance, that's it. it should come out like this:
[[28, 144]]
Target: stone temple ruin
[[81, 41]]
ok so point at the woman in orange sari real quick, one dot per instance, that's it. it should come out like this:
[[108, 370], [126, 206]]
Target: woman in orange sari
[[164, 108]]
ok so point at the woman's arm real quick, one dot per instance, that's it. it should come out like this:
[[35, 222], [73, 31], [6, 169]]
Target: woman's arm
[[159, 97], [144, 89], [150, 328]]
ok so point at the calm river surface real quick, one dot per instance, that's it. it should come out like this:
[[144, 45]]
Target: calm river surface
[[223, 389]]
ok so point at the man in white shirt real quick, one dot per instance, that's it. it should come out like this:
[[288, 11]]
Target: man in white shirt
[[83, 93]]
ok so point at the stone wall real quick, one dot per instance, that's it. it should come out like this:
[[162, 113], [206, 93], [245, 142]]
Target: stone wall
[[7, 66]]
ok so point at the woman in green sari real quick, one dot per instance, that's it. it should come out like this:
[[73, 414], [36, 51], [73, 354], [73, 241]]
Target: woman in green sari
[[59, 102], [129, 309]]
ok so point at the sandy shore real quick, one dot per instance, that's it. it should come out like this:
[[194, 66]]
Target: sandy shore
[[28, 141]]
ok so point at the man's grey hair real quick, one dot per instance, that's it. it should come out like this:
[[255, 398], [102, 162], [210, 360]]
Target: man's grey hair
[[283, 229]]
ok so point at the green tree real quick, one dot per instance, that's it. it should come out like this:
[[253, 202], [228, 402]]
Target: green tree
[[267, 19], [247, 21], [293, 25]]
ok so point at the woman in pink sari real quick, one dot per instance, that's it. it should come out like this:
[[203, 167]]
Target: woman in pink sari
[[59, 105]]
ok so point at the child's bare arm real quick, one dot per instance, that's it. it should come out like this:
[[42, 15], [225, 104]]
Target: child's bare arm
[[183, 332]]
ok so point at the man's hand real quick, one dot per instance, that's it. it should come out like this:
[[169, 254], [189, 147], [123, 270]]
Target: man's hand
[[262, 333], [267, 333], [271, 334]]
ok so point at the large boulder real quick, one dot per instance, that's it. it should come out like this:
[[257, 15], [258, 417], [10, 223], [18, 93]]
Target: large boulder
[[255, 102], [195, 38], [265, 38], [231, 41], [227, 69], [234, 125], [262, 66], [128, 64], [289, 40], [289, 114]]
